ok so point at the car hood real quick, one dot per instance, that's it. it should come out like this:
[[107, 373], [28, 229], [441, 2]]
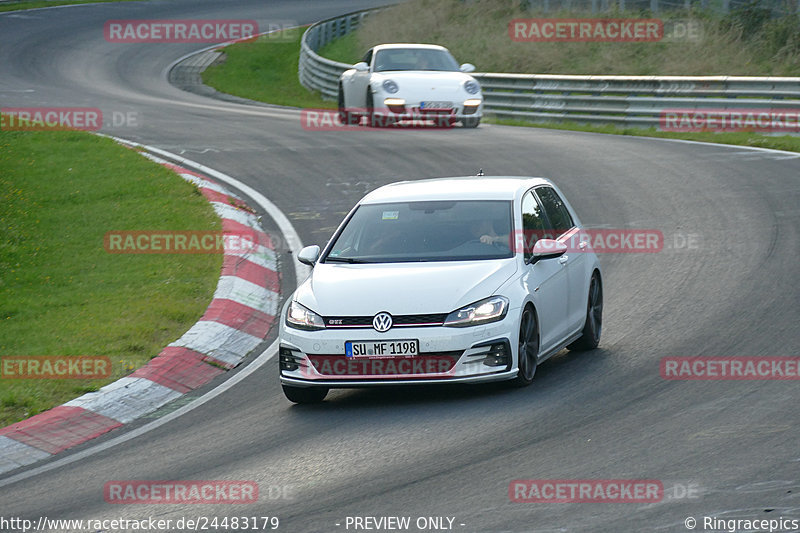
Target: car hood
[[401, 288], [441, 80]]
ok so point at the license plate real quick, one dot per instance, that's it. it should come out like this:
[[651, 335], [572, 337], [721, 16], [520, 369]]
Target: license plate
[[357, 349], [435, 105]]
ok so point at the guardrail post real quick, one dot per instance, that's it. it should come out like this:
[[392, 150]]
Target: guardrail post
[[654, 6]]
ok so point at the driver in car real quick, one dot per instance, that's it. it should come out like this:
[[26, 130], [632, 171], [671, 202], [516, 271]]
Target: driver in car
[[483, 230]]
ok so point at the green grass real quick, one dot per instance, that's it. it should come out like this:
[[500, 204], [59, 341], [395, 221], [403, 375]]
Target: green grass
[[15, 6], [265, 70], [346, 49], [746, 42], [61, 293], [783, 142]]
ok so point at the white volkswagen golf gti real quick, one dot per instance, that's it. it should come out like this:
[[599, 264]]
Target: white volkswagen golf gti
[[466, 279]]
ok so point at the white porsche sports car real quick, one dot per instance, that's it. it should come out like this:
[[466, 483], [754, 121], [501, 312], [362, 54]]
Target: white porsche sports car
[[466, 279], [396, 82]]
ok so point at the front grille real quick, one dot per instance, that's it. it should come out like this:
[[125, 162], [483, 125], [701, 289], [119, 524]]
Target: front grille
[[397, 321]]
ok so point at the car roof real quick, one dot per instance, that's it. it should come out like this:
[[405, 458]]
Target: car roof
[[408, 45], [455, 188]]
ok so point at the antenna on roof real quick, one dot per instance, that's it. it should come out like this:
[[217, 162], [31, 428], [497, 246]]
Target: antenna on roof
[[480, 172]]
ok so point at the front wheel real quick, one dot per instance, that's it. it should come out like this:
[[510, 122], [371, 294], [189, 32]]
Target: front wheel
[[590, 336], [528, 348], [345, 116], [470, 122], [374, 120], [305, 394]]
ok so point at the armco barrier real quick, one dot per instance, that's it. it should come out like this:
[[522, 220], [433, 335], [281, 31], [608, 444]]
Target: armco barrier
[[620, 100], [316, 72], [628, 100]]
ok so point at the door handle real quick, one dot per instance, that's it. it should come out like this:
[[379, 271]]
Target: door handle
[[563, 259]]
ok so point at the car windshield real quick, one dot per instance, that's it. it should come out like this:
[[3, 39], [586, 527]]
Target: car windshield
[[425, 231], [414, 59]]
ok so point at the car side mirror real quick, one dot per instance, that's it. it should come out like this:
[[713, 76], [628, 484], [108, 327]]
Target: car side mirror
[[547, 249], [309, 255], [361, 67], [467, 67]]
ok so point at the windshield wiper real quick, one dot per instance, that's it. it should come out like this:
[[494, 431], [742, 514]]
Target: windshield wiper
[[349, 260]]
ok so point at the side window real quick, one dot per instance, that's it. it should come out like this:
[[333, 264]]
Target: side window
[[533, 223], [368, 57], [557, 213]]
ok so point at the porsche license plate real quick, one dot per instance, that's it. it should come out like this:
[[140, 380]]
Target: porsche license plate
[[425, 106], [381, 348]]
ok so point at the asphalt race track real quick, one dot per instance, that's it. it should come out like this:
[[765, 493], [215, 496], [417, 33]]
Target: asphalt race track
[[725, 284]]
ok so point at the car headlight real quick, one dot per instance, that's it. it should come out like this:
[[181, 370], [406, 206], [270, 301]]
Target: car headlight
[[300, 317], [472, 87], [390, 87], [487, 310]]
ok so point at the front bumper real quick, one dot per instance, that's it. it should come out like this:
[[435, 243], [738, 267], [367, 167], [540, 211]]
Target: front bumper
[[457, 107], [446, 355]]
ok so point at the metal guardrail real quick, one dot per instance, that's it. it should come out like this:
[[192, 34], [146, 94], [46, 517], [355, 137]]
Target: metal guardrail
[[620, 100], [628, 100], [316, 72]]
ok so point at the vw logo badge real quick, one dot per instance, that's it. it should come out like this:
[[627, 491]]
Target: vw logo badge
[[382, 322]]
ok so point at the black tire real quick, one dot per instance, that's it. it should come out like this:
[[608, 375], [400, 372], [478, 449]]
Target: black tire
[[373, 120], [470, 122], [305, 394], [345, 116], [593, 327], [528, 348]]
